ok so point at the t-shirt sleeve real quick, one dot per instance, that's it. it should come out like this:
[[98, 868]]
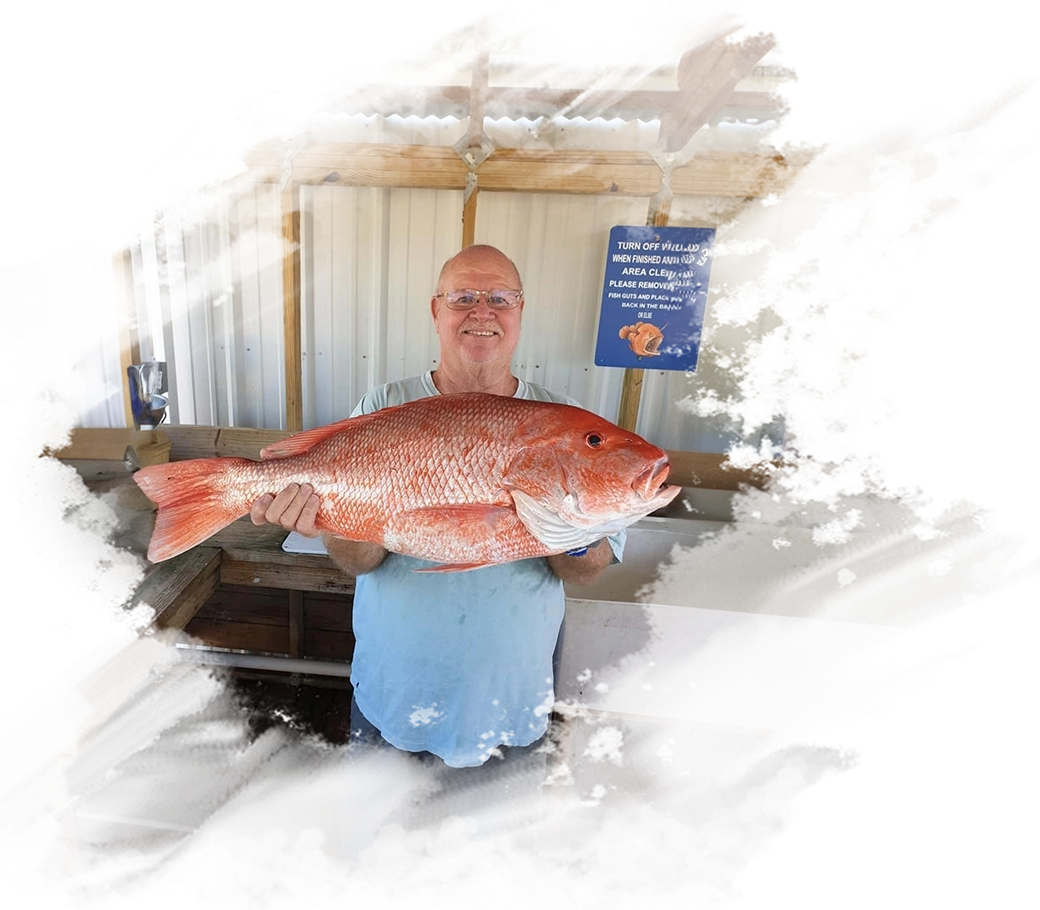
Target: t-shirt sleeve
[[370, 402], [617, 544]]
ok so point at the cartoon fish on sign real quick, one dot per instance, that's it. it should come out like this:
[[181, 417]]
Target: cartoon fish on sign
[[465, 480], [644, 338]]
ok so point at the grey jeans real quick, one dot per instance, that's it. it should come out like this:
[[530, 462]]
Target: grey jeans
[[391, 803]]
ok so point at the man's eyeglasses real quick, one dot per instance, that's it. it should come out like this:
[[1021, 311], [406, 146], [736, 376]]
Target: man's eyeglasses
[[467, 299]]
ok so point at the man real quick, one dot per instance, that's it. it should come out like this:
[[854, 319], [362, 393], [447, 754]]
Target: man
[[454, 663]]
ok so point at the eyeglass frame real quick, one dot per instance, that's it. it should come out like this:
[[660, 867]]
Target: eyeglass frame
[[478, 294]]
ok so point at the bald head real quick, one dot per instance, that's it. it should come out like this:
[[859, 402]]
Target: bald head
[[480, 257]]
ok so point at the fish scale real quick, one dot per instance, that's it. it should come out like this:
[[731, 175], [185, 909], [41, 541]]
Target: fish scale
[[462, 480]]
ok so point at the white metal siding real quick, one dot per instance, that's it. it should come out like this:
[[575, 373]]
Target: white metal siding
[[208, 296], [208, 301], [369, 265]]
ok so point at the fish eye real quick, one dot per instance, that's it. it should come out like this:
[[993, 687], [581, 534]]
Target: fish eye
[[593, 440]]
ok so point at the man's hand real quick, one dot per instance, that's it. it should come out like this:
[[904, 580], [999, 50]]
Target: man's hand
[[294, 508], [584, 569]]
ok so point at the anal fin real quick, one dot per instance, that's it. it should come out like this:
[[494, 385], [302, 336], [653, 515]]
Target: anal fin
[[462, 537], [460, 567]]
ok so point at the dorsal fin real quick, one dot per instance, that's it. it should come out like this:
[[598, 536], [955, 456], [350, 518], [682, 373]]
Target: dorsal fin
[[299, 443]]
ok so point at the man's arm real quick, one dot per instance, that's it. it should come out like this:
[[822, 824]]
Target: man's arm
[[295, 508], [585, 569], [356, 557]]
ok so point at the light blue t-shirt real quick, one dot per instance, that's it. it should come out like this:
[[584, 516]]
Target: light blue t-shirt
[[456, 663]]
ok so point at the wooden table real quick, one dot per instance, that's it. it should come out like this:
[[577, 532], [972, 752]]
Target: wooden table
[[774, 629], [44, 734], [48, 730], [654, 656]]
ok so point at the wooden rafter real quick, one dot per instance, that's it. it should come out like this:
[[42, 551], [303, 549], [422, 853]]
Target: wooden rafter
[[473, 153], [129, 344], [1018, 99], [708, 77], [478, 79]]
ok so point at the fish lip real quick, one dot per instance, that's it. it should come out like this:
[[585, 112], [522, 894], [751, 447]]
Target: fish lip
[[649, 483]]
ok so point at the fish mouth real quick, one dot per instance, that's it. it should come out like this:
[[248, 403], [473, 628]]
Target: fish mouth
[[649, 484]]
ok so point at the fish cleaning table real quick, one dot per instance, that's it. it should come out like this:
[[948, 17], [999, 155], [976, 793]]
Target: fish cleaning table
[[729, 615], [737, 613]]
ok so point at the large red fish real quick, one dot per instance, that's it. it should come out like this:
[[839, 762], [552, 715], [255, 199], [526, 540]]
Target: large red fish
[[464, 480]]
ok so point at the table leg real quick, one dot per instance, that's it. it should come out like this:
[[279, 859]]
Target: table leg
[[52, 824], [562, 742]]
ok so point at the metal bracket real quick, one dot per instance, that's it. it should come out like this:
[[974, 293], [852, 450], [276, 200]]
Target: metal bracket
[[286, 151], [473, 156], [668, 161]]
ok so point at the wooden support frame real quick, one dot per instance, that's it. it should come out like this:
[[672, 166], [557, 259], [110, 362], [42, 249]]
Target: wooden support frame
[[295, 622], [705, 470], [738, 175], [477, 105], [291, 290], [478, 90], [100, 443], [129, 345], [708, 76], [55, 725], [632, 383]]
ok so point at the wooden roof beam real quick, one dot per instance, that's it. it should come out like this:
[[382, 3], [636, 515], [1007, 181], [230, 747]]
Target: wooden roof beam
[[708, 76], [887, 137]]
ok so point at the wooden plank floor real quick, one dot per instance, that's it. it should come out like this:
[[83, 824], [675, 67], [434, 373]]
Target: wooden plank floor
[[658, 799]]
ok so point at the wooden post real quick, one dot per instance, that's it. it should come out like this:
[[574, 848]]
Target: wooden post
[[52, 825], [469, 211], [478, 93], [295, 623], [291, 282], [129, 345], [632, 384], [562, 742]]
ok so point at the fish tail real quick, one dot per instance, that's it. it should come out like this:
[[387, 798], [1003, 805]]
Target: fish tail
[[195, 500]]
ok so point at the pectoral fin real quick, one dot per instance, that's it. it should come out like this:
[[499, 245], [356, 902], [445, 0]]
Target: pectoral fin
[[464, 536], [551, 529]]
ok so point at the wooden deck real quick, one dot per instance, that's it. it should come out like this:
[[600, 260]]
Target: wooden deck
[[258, 760]]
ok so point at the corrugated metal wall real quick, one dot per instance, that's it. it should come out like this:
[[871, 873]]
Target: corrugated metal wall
[[208, 293], [208, 301]]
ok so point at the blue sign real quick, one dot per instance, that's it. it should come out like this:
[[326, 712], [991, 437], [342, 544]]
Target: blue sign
[[654, 294]]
